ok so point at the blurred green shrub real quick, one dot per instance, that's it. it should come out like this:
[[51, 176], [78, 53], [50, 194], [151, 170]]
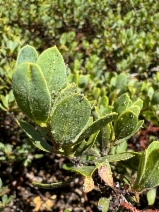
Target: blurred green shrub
[[4, 198], [99, 35]]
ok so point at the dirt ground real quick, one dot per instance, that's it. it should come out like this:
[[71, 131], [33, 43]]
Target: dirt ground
[[48, 169]]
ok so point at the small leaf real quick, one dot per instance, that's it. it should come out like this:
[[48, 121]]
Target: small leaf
[[53, 67], [138, 103], [69, 118], [27, 54], [88, 124], [116, 157], [9, 199], [52, 185], [133, 162], [151, 196], [139, 125], [69, 90], [88, 184], [85, 171], [148, 172], [4, 199], [97, 125], [135, 109], [122, 103], [31, 92], [125, 124], [103, 204], [155, 99], [104, 171], [122, 80], [85, 146], [4, 100], [106, 175], [35, 137], [1, 183]]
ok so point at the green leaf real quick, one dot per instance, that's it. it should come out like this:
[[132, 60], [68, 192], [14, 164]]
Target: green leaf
[[135, 109], [69, 118], [155, 99], [139, 125], [35, 137], [27, 54], [97, 125], [116, 157], [148, 172], [31, 92], [5, 100], [151, 196], [88, 124], [4, 199], [125, 124], [104, 137], [133, 162], [67, 210], [103, 204], [138, 103], [122, 80], [69, 90], [9, 199], [1, 183], [122, 103], [53, 67], [86, 171], [52, 185]]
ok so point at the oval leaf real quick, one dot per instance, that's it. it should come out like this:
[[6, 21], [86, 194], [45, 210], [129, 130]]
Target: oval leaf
[[53, 67], [27, 54], [31, 92], [148, 172], [125, 124], [122, 103], [68, 119], [70, 89]]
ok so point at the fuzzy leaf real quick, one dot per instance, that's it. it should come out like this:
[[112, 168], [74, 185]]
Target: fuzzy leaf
[[69, 90], [139, 125], [135, 109], [69, 118], [35, 137], [31, 92], [27, 54], [53, 67], [97, 125], [148, 172], [138, 103], [122, 103], [125, 124]]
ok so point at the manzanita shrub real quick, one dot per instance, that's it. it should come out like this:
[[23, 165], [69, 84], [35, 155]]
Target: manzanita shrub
[[63, 121]]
